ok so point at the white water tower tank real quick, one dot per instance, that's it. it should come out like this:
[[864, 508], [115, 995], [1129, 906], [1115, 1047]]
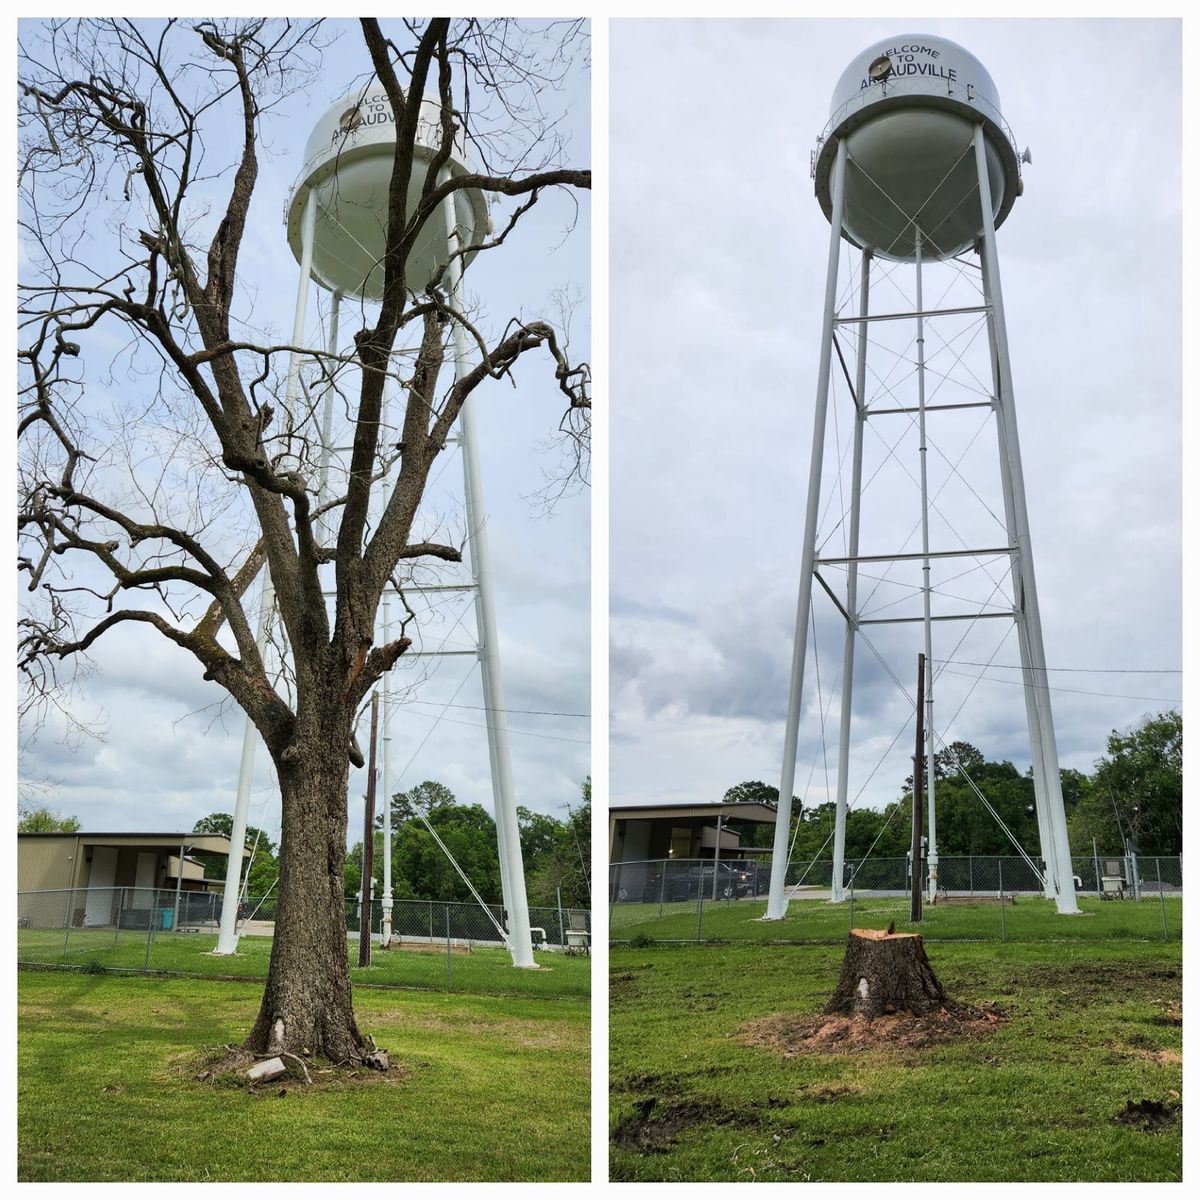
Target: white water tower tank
[[907, 108], [348, 163]]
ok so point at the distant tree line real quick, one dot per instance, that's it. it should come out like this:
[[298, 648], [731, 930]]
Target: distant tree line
[[1134, 793], [557, 854]]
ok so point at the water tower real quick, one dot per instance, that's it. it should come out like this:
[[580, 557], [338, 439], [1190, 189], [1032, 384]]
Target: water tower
[[336, 219], [917, 168]]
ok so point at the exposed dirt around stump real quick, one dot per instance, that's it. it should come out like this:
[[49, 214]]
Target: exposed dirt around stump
[[1150, 1116], [790, 1035], [654, 1125]]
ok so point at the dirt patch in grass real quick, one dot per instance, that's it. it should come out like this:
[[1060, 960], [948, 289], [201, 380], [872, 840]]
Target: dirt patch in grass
[[1099, 981], [826, 1093], [790, 1035], [1150, 1116], [653, 1126]]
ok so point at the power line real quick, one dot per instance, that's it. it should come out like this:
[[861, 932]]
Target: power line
[[1073, 691], [552, 737], [1076, 670], [528, 712]]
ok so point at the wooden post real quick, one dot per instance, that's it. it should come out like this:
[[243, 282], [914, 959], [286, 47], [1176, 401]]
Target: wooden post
[[917, 792], [368, 855]]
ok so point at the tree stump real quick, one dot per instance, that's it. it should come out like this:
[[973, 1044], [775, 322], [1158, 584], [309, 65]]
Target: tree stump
[[886, 972]]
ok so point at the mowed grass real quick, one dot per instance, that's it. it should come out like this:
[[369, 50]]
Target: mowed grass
[[1031, 918], [1092, 1025], [487, 1088], [486, 970]]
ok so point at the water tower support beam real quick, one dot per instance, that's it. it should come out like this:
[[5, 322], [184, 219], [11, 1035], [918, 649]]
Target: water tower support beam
[[1027, 601], [512, 869], [227, 939], [837, 889], [783, 816], [1032, 717], [927, 590]]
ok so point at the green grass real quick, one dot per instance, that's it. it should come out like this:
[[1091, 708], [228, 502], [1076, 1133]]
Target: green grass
[[1034, 1101], [485, 971], [489, 1088], [818, 920]]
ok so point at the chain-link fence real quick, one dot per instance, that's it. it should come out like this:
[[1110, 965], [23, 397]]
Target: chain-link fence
[[975, 898], [440, 945]]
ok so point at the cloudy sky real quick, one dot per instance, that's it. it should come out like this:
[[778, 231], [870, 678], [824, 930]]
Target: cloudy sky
[[718, 250], [170, 752]]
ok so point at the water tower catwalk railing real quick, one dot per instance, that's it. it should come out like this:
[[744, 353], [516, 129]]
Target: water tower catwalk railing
[[969, 148], [336, 231]]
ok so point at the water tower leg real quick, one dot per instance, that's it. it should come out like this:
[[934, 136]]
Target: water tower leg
[[335, 309], [1032, 717], [227, 938], [512, 869], [837, 890], [1056, 820], [927, 589], [783, 817]]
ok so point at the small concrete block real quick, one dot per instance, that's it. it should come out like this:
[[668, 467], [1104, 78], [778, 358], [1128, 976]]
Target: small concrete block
[[265, 1071], [377, 1060]]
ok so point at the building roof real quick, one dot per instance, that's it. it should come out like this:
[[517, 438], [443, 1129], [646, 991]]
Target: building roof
[[745, 810], [205, 843]]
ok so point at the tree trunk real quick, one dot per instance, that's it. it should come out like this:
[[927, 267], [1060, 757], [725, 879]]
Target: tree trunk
[[886, 972], [306, 1008]]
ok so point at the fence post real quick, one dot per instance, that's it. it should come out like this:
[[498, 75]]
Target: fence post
[[699, 908], [851, 910], [449, 966], [69, 917], [662, 883], [150, 915], [562, 929], [971, 873], [1162, 902], [1000, 875], [117, 922]]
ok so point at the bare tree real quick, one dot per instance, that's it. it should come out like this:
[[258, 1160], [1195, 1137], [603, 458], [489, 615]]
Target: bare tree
[[158, 469]]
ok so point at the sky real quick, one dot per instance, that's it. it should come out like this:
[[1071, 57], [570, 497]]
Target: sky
[[169, 751], [717, 267]]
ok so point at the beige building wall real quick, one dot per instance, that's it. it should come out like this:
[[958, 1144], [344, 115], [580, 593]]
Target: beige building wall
[[48, 862]]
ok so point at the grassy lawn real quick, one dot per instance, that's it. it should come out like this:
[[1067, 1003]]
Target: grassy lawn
[[486, 970], [489, 1088], [818, 920], [1093, 1024]]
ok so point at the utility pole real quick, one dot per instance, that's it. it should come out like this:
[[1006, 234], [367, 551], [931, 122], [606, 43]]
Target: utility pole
[[368, 856], [917, 788]]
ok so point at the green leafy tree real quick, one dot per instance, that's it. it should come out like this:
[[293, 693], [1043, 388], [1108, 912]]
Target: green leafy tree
[[422, 797], [1136, 791], [540, 836], [264, 869], [754, 791], [44, 820]]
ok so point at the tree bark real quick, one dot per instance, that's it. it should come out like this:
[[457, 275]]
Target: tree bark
[[306, 1007], [884, 973]]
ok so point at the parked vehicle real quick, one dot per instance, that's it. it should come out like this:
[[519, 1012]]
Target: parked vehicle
[[733, 881]]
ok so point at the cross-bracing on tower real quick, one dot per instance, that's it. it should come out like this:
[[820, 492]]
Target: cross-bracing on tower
[[930, 533]]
